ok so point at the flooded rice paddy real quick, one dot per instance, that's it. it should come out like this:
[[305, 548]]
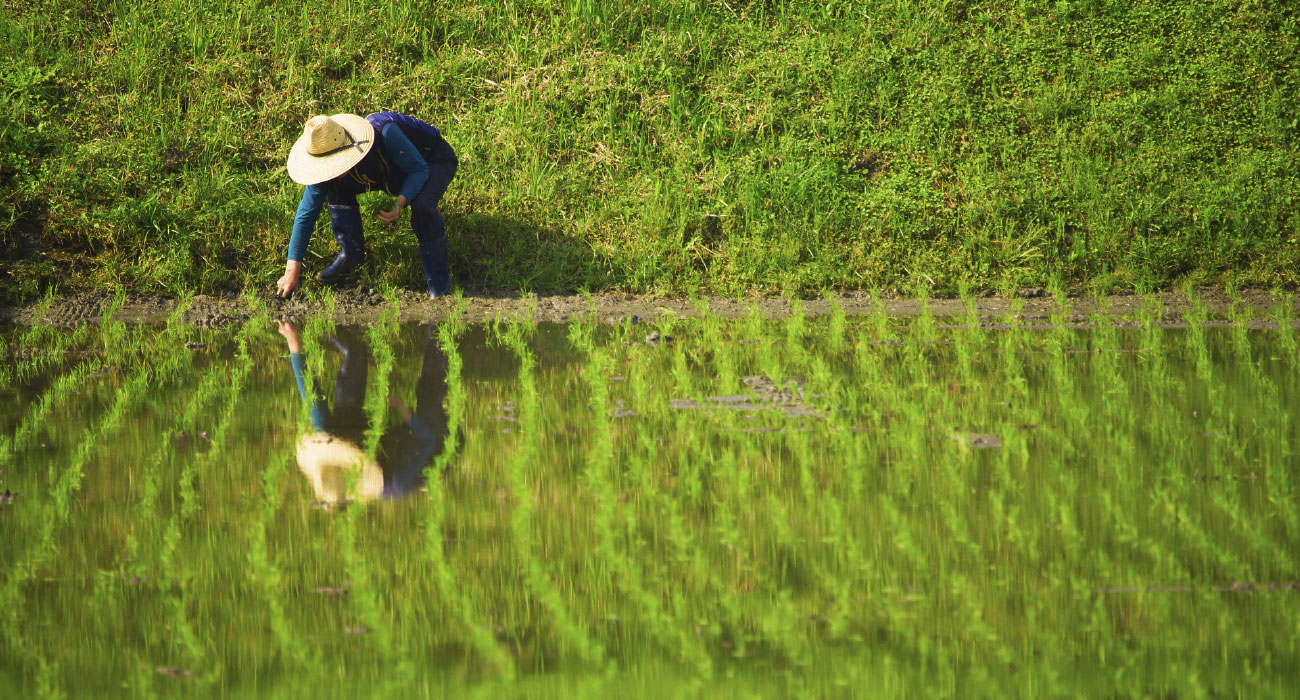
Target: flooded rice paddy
[[829, 507]]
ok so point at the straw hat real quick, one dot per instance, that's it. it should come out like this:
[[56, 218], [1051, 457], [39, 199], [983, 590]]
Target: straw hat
[[326, 460], [328, 147]]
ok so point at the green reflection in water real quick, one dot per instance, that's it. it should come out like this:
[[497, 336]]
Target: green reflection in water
[[826, 508]]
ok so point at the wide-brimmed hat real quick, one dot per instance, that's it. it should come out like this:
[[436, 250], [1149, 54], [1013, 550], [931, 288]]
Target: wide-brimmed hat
[[328, 147], [328, 460]]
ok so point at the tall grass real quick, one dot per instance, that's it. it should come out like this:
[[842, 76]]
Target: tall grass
[[674, 146]]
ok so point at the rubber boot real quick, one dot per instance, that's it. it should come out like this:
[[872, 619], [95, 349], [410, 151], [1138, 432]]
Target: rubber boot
[[346, 222], [433, 254]]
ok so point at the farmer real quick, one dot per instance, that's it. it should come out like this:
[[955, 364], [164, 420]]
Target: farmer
[[340, 156]]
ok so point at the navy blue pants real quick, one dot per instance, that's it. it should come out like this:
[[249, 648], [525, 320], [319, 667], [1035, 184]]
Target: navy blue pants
[[427, 222], [425, 218]]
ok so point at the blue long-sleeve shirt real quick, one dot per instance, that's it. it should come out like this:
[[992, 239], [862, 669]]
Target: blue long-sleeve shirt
[[400, 151], [319, 411]]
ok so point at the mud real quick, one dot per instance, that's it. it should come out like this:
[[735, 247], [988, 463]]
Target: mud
[[362, 305], [1239, 587], [174, 671]]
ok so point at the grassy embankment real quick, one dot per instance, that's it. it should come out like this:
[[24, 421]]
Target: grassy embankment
[[671, 146]]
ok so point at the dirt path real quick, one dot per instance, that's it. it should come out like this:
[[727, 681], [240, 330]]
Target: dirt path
[[358, 305]]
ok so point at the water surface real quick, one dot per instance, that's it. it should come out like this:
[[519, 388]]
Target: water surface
[[712, 508]]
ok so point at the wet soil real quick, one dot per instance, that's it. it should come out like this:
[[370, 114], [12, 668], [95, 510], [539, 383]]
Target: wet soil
[[361, 305]]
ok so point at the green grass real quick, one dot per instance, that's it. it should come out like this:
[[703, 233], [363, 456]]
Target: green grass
[[667, 146], [595, 534]]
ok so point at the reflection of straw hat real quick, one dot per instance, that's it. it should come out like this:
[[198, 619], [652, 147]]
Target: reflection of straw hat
[[326, 461], [328, 147]]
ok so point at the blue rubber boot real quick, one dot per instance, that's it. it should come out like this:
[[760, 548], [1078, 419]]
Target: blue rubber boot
[[433, 255], [346, 222]]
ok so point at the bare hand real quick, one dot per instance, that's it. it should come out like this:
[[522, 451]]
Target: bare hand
[[395, 401], [389, 217], [290, 281], [289, 330]]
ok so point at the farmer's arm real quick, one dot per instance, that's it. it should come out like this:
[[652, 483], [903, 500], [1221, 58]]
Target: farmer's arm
[[299, 364], [407, 157], [313, 199]]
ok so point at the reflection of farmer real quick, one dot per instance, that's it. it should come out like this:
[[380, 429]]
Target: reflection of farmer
[[336, 159], [331, 457]]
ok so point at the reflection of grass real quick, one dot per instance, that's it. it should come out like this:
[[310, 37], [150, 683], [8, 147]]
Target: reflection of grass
[[608, 535]]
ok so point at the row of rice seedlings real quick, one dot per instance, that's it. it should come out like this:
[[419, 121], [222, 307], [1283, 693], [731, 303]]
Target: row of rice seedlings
[[364, 597], [175, 576], [56, 508], [1115, 411], [908, 434], [770, 536], [684, 568], [710, 482], [267, 576], [1084, 565], [42, 348], [1273, 412], [1066, 411], [842, 455], [1231, 448], [950, 487], [1221, 422], [539, 580], [1068, 578], [600, 477], [819, 449], [873, 407], [749, 529], [36, 417], [380, 338], [454, 596]]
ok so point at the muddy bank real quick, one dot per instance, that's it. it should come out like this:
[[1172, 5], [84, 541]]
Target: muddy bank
[[360, 305]]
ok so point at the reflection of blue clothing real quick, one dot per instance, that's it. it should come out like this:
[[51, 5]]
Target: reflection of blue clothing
[[410, 465], [402, 473], [319, 411]]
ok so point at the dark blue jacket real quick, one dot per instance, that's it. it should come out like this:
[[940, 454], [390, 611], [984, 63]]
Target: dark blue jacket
[[397, 163]]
